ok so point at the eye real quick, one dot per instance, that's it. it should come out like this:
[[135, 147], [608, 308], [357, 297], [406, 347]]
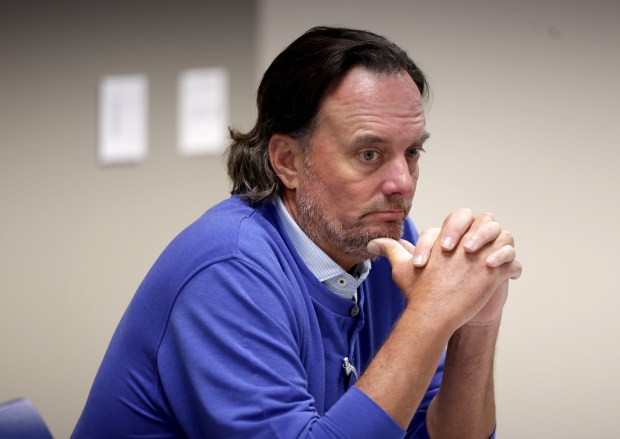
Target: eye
[[413, 153], [368, 155]]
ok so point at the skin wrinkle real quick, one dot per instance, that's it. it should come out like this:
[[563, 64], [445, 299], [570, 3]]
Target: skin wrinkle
[[352, 239], [359, 163]]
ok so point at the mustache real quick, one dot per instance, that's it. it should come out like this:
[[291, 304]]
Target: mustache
[[389, 204]]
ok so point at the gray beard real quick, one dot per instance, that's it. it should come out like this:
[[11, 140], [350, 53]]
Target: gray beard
[[348, 238]]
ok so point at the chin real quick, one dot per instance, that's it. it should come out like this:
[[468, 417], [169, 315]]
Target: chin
[[356, 247], [392, 231]]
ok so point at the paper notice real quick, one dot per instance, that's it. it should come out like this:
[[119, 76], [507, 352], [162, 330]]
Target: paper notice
[[203, 111], [122, 119]]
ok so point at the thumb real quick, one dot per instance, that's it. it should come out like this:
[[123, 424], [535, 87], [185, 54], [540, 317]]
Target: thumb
[[391, 249]]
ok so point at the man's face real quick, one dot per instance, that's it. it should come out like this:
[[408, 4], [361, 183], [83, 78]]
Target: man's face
[[361, 165]]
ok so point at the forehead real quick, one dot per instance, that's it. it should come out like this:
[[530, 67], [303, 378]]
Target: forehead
[[365, 101]]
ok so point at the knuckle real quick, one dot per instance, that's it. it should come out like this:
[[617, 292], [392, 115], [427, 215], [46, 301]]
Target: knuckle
[[496, 229], [508, 237], [458, 221], [425, 232], [465, 212], [491, 227], [488, 216], [509, 252], [459, 214], [429, 234]]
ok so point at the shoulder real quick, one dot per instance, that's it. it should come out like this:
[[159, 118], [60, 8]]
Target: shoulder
[[231, 240], [236, 247], [230, 262], [242, 274], [231, 228]]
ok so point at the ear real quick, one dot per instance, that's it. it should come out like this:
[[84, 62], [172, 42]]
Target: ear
[[286, 158]]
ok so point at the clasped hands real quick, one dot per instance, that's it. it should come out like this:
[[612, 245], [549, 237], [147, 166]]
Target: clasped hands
[[457, 274]]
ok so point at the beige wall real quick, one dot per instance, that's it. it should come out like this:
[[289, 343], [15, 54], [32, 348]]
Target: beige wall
[[523, 117], [524, 122], [76, 238]]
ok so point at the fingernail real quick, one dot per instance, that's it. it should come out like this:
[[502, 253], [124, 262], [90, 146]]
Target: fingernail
[[373, 248], [418, 260], [470, 244], [447, 242]]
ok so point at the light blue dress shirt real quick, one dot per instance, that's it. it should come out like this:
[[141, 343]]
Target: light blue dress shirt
[[326, 270]]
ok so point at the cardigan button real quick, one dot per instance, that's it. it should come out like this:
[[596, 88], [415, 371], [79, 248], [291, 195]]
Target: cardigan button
[[354, 311]]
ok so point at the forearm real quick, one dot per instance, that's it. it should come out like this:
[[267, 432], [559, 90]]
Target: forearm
[[463, 289], [400, 373], [465, 404]]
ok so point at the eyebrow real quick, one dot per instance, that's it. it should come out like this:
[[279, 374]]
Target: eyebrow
[[423, 138], [366, 139]]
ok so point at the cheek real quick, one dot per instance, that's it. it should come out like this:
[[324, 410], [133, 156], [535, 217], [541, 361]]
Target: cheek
[[353, 200], [332, 182], [415, 175], [342, 199], [343, 192]]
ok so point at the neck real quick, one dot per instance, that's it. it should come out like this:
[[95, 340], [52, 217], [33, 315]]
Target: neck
[[346, 261]]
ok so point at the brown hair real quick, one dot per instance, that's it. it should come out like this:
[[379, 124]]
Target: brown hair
[[290, 94]]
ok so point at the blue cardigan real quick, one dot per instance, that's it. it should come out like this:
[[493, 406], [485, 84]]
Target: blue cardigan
[[231, 336]]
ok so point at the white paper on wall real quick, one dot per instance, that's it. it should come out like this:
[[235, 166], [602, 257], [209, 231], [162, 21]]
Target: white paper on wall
[[203, 111], [123, 101]]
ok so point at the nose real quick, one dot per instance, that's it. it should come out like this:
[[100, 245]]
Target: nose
[[400, 178]]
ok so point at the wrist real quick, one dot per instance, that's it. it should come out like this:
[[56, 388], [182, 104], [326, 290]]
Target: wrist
[[428, 325], [474, 340], [475, 328], [466, 399]]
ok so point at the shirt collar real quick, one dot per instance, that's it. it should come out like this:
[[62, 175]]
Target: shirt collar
[[326, 270]]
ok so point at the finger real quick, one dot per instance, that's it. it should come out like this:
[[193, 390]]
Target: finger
[[454, 227], [424, 245], [407, 245], [516, 270], [506, 238], [389, 248], [482, 218], [478, 237], [511, 270], [504, 255]]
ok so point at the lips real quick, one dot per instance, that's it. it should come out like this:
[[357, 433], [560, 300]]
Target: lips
[[388, 210], [386, 215]]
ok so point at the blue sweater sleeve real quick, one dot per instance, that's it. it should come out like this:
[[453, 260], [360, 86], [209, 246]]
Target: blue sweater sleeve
[[417, 427], [231, 363]]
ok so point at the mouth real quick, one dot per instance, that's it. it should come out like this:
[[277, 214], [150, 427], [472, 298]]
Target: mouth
[[388, 211], [386, 215]]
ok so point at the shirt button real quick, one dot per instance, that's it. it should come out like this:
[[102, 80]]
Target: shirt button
[[354, 311], [342, 282]]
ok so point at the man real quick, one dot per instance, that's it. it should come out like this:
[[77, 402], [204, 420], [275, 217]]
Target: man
[[267, 318]]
